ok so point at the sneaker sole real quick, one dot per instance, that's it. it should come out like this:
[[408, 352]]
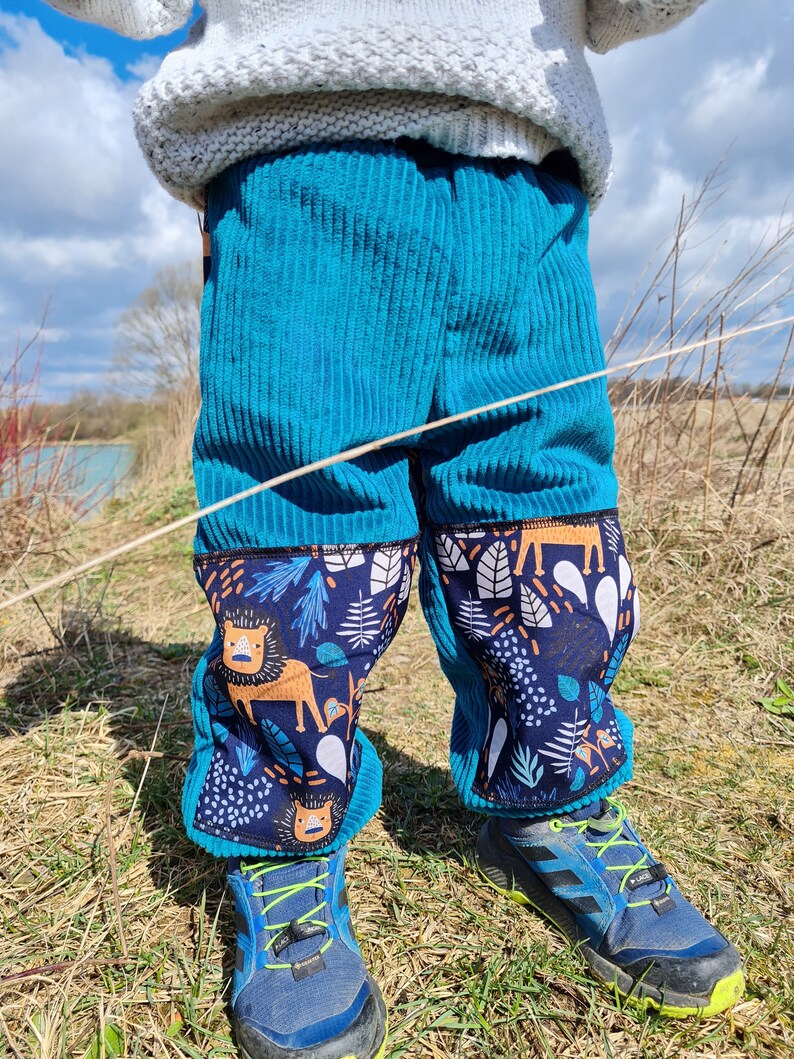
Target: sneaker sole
[[635, 992]]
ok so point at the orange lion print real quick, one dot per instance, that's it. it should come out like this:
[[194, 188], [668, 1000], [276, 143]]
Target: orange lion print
[[256, 669], [309, 820]]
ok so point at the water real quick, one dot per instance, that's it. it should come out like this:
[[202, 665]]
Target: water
[[90, 474]]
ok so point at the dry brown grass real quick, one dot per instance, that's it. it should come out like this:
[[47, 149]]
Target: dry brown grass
[[464, 975]]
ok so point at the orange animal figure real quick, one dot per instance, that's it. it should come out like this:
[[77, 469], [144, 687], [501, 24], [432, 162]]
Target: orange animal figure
[[587, 536], [586, 748], [251, 677], [312, 822]]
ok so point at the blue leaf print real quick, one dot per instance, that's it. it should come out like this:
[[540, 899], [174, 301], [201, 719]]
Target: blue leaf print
[[281, 576], [311, 608], [525, 766], [597, 696], [220, 733], [578, 780], [616, 659], [330, 654], [246, 756], [507, 791], [281, 748], [569, 688], [217, 703], [355, 763]]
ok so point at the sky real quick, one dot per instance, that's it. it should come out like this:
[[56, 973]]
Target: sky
[[84, 226]]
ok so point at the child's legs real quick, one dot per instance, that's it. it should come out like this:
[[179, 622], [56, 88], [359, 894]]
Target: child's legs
[[320, 320], [524, 578]]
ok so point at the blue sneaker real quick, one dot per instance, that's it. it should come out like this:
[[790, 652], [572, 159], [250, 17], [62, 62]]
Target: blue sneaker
[[588, 872], [301, 989]]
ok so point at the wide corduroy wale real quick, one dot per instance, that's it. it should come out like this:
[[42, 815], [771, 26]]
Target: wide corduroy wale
[[356, 290]]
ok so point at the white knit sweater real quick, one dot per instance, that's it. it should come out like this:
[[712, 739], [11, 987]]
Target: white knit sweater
[[479, 77]]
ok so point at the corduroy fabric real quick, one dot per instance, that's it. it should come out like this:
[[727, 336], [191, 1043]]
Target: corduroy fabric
[[357, 290], [362, 288]]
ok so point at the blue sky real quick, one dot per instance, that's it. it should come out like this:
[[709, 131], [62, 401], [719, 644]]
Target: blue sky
[[82, 37], [85, 226]]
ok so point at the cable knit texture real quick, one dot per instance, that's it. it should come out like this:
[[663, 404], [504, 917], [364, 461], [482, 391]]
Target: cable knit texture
[[488, 78]]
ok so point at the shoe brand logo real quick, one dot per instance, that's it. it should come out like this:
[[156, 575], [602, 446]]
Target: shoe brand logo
[[663, 904], [306, 968]]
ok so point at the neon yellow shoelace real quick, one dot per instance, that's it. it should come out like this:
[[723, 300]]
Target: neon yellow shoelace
[[617, 838], [282, 893]]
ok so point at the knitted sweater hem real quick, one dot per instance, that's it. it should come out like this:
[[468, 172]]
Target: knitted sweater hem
[[197, 117], [276, 124]]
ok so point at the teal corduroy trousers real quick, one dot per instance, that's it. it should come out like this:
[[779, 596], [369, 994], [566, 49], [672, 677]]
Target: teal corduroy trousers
[[357, 290]]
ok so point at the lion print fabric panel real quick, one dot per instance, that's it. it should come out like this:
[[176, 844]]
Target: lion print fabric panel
[[300, 632], [547, 609]]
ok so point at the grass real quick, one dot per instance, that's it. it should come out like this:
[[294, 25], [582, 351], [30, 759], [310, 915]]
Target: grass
[[145, 970]]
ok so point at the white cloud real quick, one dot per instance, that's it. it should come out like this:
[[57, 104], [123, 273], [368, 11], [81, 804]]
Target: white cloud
[[51, 259], [719, 86], [144, 68], [51, 335], [84, 224], [731, 89]]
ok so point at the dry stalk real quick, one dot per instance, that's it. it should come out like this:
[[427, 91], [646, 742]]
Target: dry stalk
[[710, 454], [761, 422], [112, 860], [773, 435], [47, 969], [698, 395], [669, 365], [149, 756]]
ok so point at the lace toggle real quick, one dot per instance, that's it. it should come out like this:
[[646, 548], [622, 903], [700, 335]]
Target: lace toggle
[[296, 931]]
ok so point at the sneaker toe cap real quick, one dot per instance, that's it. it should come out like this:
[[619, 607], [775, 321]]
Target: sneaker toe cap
[[686, 974], [357, 1030]]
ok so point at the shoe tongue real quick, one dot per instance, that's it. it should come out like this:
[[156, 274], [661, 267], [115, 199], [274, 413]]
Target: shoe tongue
[[644, 884], [294, 905], [593, 811]]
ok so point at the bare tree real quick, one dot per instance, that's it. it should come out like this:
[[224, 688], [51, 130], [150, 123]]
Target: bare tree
[[157, 338]]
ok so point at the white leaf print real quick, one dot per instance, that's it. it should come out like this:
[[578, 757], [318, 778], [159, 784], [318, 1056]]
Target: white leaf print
[[534, 612], [567, 576], [493, 573], [385, 569], [635, 626], [497, 744], [611, 530], [331, 756], [450, 556], [344, 560], [561, 748], [361, 624], [472, 620], [405, 585], [606, 601], [625, 575]]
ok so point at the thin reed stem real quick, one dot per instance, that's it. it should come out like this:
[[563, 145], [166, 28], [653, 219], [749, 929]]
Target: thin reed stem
[[714, 395]]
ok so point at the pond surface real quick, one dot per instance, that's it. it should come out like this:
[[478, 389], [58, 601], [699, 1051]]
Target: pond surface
[[87, 474]]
